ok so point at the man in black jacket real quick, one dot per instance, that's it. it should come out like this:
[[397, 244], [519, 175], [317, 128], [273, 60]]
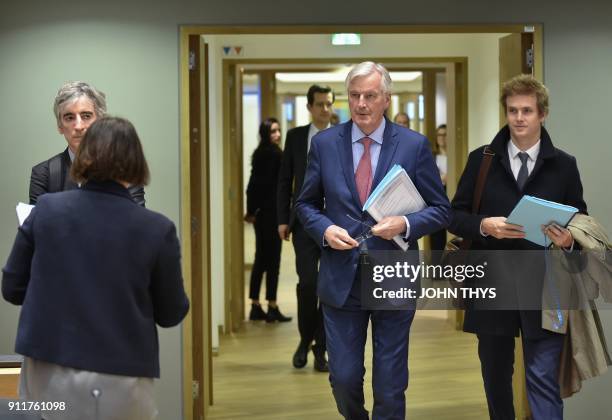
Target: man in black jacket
[[524, 162], [77, 105], [307, 252]]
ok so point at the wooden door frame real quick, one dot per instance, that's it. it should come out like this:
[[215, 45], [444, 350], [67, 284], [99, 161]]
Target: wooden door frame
[[234, 288], [233, 204], [185, 186], [195, 229], [232, 67]]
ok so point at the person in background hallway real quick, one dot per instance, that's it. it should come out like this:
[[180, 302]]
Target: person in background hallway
[[438, 239], [346, 162], [261, 211], [401, 118], [307, 253], [94, 272], [525, 161], [77, 105]]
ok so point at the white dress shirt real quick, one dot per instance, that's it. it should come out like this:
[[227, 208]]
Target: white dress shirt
[[312, 131], [515, 160], [375, 146]]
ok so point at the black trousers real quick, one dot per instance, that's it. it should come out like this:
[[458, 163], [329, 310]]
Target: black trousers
[[267, 255], [310, 316], [541, 356], [438, 240]]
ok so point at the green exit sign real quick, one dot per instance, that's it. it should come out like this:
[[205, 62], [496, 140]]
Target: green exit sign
[[346, 39]]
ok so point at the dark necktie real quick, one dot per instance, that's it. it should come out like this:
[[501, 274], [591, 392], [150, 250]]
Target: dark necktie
[[363, 175], [523, 174]]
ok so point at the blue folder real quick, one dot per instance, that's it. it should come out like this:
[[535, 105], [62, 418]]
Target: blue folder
[[533, 212], [395, 170]]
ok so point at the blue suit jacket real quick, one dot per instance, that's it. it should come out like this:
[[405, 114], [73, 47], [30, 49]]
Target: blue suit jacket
[[329, 193], [95, 272]]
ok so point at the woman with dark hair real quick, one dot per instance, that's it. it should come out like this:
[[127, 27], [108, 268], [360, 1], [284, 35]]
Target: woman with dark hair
[[261, 211], [94, 273]]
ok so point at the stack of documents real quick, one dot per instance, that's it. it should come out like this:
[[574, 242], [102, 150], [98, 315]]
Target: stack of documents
[[533, 212], [396, 195]]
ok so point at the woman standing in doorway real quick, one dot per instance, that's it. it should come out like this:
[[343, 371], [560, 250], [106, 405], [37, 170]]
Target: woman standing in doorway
[[261, 211]]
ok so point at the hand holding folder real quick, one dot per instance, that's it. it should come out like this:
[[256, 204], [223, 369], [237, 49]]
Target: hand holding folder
[[533, 212], [396, 195]]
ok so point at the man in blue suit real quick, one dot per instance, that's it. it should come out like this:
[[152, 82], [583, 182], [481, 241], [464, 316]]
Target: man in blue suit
[[346, 163]]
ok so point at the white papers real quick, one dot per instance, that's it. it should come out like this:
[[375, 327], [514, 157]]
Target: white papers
[[396, 195], [23, 211]]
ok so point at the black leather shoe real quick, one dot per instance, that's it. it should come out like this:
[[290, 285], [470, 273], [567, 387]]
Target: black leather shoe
[[274, 314], [320, 362], [300, 357], [257, 313]]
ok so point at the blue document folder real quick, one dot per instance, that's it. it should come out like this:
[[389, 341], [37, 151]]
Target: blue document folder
[[395, 170], [533, 212], [395, 195]]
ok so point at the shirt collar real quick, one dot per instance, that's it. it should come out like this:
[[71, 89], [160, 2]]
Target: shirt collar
[[71, 154], [533, 151], [377, 135], [314, 130]]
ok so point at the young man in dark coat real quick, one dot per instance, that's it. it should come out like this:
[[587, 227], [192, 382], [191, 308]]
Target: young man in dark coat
[[525, 162]]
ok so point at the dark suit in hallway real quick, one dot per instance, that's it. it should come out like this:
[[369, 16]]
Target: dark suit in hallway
[[307, 252], [345, 164]]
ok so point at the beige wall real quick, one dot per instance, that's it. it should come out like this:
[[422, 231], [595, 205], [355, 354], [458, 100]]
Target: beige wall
[[140, 85]]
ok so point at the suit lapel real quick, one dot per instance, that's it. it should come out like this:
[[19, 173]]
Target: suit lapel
[[387, 151], [345, 155], [536, 168], [500, 147], [505, 163], [547, 151], [68, 184], [302, 148]]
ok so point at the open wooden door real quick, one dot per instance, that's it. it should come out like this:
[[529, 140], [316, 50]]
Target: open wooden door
[[457, 142], [233, 202], [198, 360], [516, 56]]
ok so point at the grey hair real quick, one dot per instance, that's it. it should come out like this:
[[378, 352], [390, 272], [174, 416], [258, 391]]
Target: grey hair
[[365, 69], [71, 91]]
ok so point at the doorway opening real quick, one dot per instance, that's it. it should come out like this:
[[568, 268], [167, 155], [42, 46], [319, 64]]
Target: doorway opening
[[225, 55]]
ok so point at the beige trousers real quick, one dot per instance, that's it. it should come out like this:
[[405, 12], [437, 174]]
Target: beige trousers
[[87, 395]]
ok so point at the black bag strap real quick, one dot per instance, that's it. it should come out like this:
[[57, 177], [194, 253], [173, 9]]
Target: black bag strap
[[55, 174], [485, 165]]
